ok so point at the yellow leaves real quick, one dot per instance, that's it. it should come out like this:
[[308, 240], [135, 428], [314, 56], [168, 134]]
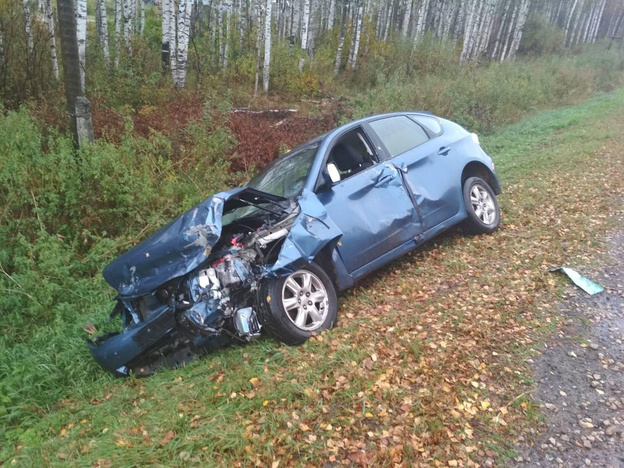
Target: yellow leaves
[[368, 415], [254, 381], [265, 402], [485, 405], [304, 427], [63, 432]]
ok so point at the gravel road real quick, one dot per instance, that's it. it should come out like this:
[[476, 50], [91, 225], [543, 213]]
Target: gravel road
[[580, 376]]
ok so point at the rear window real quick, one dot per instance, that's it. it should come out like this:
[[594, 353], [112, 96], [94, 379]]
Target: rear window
[[399, 134], [430, 123]]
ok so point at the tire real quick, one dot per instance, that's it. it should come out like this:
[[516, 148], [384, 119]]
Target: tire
[[481, 206], [286, 316]]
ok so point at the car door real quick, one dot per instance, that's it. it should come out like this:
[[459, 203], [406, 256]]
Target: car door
[[373, 210], [423, 157]]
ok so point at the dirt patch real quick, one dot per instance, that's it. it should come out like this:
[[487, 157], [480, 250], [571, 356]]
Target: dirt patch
[[261, 136], [580, 377]]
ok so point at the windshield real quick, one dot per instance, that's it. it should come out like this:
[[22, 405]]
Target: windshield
[[286, 176]]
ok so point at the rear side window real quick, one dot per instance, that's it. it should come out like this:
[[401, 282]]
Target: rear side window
[[431, 123], [399, 134]]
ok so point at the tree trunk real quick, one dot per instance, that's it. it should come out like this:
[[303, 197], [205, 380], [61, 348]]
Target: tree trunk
[[142, 28], [267, 46], [28, 24], [183, 26], [100, 6], [168, 35], [407, 16], [118, 21], [501, 29], [49, 19], [331, 16], [81, 30], [71, 61], [421, 24], [305, 24], [519, 28], [341, 38], [128, 30], [355, 44], [259, 32], [569, 20]]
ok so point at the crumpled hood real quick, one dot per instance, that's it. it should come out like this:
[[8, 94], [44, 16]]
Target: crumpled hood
[[178, 248]]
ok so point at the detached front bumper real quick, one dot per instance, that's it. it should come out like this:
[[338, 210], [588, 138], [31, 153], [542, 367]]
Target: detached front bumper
[[115, 352]]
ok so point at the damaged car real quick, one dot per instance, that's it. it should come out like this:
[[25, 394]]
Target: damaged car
[[270, 257]]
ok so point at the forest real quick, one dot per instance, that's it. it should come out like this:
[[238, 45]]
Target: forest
[[189, 97]]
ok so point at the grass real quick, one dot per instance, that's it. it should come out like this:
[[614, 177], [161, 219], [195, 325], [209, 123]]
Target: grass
[[426, 364]]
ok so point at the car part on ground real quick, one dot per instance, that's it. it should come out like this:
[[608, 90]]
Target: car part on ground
[[269, 257]]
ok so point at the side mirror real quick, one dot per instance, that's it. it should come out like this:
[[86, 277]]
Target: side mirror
[[333, 173]]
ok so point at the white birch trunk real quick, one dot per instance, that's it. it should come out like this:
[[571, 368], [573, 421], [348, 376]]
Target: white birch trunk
[[469, 28], [100, 5], [305, 25], [501, 29], [594, 31], [225, 33], [423, 11], [355, 45], [183, 26], [569, 21], [518, 30], [118, 22], [259, 32], [81, 33], [267, 46], [128, 30], [341, 39], [142, 28], [574, 30], [331, 15], [407, 17], [28, 25], [510, 32], [49, 19], [388, 21]]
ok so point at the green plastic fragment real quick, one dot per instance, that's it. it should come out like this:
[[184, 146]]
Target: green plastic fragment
[[585, 284]]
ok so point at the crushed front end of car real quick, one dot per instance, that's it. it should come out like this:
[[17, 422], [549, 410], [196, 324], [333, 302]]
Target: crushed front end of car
[[192, 287]]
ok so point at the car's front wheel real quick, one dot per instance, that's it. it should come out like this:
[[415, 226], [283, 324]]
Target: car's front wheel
[[294, 307], [481, 206]]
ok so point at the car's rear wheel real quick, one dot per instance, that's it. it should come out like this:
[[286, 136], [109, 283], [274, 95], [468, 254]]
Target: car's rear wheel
[[482, 207], [294, 307]]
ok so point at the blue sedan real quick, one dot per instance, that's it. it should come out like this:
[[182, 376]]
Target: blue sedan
[[270, 257]]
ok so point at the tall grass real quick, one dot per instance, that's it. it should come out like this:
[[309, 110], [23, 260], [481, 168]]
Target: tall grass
[[484, 97]]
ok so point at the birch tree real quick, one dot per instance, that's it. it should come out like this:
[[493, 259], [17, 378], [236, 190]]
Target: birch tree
[[49, 20], [183, 29], [267, 46], [118, 21], [341, 38], [168, 33], [305, 23], [519, 27], [355, 44], [28, 25], [100, 6], [128, 29], [81, 34]]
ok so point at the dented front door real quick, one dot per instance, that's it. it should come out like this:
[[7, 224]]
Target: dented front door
[[374, 212]]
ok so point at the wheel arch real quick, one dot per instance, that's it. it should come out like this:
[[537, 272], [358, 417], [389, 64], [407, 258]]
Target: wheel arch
[[478, 169]]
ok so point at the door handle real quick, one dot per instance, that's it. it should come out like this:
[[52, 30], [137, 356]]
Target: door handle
[[444, 150]]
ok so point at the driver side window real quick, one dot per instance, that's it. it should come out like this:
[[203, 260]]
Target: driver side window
[[351, 154]]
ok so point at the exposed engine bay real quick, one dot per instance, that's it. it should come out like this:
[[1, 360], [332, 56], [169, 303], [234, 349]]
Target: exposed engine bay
[[209, 307]]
